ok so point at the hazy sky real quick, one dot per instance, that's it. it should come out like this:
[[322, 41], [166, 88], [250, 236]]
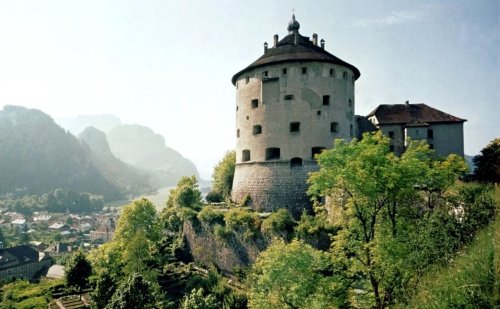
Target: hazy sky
[[168, 64]]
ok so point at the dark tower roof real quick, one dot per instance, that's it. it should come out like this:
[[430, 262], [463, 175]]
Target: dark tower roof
[[294, 48]]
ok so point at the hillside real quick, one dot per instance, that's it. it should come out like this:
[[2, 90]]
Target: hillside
[[38, 156], [127, 178], [77, 124], [140, 146]]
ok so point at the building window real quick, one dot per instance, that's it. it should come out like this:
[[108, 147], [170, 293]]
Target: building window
[[296, 162], [326, 100], [391, 134], [351, 130], [245, 155], [247, 117], [257, 129], [294, 126], [283, 71], [334, 127], [318, 113], [265, 73], [255, 103], [237, 107], [238, 133], [247, 79], [431, 146], [332, 72], [272, 153], [430, 134], [350, 103], [288, 97], [316, 150], [344, 75], [304, 70], [391, 148]]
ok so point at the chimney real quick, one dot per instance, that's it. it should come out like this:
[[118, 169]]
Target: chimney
[[265, 47], [275, 40], [315, 39], [322, 43]]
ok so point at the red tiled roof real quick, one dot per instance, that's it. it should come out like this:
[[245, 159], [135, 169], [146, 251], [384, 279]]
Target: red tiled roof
[[411, 114]]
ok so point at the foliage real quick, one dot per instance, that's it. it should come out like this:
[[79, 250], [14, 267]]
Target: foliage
[[466, 283], [22, 294], [279, 222], [77, 272], [135, 292], [238, 219], [488, 163], [59, 200], [222, 178], [211, 216], [103, 292], [186, 194], [382, 214], [198, 300], [296, 276], [222, 233]]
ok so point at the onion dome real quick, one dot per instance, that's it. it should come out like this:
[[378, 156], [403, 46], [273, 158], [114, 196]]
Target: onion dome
[[293, 25]]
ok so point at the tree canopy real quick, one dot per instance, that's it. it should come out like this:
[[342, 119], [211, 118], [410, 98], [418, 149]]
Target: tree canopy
[[222, 178], [77, 271], [488, 163]]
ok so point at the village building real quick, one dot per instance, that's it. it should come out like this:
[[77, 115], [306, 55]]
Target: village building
[[105, 231], [23, 262], [443, 132]]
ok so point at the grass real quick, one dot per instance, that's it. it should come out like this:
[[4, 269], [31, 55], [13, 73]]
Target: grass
[[471, 280]]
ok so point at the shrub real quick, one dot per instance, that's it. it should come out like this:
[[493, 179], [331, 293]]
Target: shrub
[[221, 232], [211, 216], [280, 221]]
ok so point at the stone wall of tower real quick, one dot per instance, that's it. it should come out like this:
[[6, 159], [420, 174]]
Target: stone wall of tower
[[318, 97]]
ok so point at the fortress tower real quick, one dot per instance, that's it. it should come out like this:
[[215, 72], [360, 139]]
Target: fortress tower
[[290, 104]]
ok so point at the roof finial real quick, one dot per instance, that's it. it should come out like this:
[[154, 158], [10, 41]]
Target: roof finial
[[293, 25]]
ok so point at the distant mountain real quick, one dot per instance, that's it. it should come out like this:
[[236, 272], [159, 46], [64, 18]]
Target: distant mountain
[[140, 146], [76, 125], [38, 156], [128, 178]]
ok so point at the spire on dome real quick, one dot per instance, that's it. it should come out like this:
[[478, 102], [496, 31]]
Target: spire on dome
[[293, 25]]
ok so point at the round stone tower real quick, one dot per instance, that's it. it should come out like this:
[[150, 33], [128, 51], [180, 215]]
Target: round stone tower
[[291, 103]]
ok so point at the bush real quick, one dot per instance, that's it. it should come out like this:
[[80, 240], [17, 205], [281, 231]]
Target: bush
[[245, 221], [280, 221], [211, 216], [221, 232], [214, 197]]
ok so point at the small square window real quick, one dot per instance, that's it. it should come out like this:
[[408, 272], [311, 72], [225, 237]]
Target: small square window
[[283, 71], [272, 153], [430, 134], [304, 70], [257, 129], [288, 97], [318, 113], [265, 73], [332, 72], [247, 79], [294, 126], [344, 75], [391, 134], [245, 155], [326, 100], [255, 103]]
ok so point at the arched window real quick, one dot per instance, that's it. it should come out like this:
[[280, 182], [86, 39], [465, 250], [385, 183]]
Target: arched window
[[245, 155], [296, 162]]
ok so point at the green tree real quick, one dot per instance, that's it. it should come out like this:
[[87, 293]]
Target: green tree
[[198, 300], [77, 272], [296, 275], [376, 195], [186, 194], [222, 178], [103, 292], [488, 163], [136, 292]]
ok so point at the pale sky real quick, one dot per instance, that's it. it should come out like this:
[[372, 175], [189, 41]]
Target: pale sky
[[168, 64]]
